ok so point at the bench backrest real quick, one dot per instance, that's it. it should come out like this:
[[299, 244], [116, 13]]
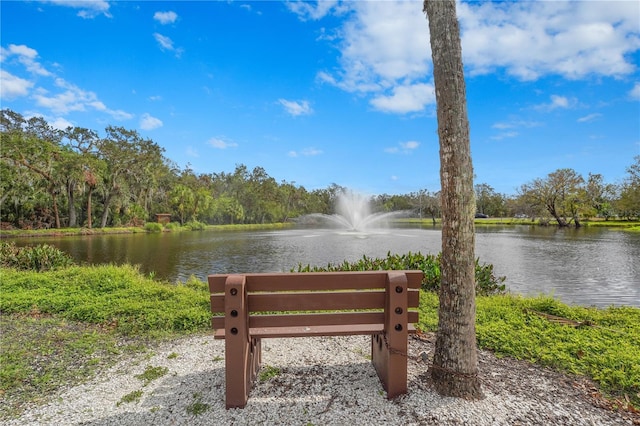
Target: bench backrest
[[314, 298]]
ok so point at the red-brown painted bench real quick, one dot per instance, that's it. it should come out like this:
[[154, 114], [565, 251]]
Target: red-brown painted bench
[[382, 304]]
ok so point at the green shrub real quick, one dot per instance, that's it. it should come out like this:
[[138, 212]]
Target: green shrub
[[486, 282], [42, 257], [172, 226], [153, 227], [195, 284], [194, 225]]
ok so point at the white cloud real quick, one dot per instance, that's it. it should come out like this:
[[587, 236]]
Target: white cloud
[[27, 57], [509, 127], [192, 152], [307, 152], [296, 108], [409, 145], [310, 11], [148, 122], [166, 43], [248, 8], [72, 98], [221, 143], [89, 8], [514, 123], [504, 135], [12, 87], [165, 17], [589, 117], [348, 84], [20, 50], [384, 45], [61, 97], [119, 114], [405, 99], [634, 93], [403, 147], [390, 38], [532, 39], [557, 102], [60, 123]]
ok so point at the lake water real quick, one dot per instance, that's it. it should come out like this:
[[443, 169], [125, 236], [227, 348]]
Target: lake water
[[586, 266]]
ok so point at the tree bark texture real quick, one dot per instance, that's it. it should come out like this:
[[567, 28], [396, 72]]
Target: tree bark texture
[[89, 218], [73, 220], [455, 365]]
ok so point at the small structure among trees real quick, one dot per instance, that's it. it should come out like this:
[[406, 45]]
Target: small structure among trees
[[163, 218]]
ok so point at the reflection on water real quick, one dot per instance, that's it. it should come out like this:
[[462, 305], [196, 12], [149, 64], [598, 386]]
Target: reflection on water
[[585, 266]]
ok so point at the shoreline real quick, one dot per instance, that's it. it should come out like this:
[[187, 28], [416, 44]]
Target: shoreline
[[632, 226], [75, 232]]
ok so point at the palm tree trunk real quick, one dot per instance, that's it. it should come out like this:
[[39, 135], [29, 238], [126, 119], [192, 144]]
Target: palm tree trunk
[[455, 364]]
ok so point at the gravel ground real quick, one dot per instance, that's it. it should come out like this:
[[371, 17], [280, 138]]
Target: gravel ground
[[319, 381]]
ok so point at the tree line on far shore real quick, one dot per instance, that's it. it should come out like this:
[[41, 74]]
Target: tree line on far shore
[[52, 178]]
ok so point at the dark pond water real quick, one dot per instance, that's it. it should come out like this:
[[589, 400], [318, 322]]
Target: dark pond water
[[586, 266]]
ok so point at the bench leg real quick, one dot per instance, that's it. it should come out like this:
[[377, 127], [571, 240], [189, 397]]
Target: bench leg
[[256, 358], [242, 352], [236, 360], [241, 369], [389, 349], [390, 364]]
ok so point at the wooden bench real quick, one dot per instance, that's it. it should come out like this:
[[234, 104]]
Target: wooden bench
[[382, 304]]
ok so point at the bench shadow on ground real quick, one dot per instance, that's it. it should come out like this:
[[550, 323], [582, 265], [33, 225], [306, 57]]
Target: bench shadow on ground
[[296, 393]]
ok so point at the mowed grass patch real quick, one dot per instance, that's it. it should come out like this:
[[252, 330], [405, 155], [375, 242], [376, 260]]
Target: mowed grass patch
[[603, 344], [58, 327], [117, 296], [39, 353]]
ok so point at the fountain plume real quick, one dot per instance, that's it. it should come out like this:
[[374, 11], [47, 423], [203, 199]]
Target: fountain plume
[[353, 213]]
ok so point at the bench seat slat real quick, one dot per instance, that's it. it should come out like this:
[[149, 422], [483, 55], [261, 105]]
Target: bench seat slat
[[313, 281], [311, 331], [334, 318]]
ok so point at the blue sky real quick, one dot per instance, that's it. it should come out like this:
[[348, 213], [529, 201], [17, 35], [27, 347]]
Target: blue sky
[[335, 92]]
